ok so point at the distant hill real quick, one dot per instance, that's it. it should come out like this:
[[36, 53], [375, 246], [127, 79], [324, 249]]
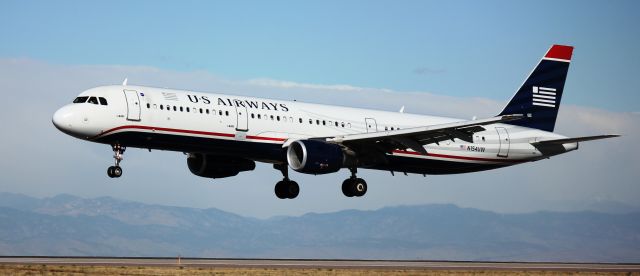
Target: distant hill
[[69, 225]]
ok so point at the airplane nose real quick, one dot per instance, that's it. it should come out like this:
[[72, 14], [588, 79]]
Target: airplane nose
[[62, 120]]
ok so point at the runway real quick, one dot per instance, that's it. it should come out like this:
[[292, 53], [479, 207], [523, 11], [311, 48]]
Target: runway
[[323, 264]]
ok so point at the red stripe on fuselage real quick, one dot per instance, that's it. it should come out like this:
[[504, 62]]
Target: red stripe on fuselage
[[458, 157], [198, 132]]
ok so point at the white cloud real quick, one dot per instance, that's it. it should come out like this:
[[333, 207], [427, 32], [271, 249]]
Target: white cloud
[[296, 85], [39, 160]]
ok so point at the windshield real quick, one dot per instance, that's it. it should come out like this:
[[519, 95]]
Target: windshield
[[80, 99]]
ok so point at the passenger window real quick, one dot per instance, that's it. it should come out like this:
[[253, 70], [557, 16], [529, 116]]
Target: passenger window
[[324, 123], [278, 117], [310, 121], [259, 116], [161, 107], [201, 111], [93, 100], [220, 112], [336, 123], [148, 105], [253, 116], [271, 117], [188, 109], [342, 124], [103, 101], [317, 122], [300, 119], [226, 113], [80, 100]]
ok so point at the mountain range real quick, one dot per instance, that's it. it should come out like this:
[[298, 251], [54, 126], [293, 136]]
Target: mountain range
[[67, 225]]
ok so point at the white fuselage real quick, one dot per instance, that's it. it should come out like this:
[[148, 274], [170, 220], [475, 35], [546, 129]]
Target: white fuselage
[[257, 129]]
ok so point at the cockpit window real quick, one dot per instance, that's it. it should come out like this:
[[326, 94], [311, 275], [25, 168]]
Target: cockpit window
[[103, 101], [80, 99], [93, 100]]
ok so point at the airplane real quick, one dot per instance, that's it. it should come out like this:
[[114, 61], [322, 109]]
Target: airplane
[[223, 135]]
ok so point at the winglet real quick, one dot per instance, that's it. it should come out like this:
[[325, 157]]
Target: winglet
[[124, 82]]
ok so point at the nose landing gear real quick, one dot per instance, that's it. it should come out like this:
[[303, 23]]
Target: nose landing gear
[[118, 151]]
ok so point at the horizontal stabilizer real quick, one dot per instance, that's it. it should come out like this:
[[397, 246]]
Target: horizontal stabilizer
[[575, 139]]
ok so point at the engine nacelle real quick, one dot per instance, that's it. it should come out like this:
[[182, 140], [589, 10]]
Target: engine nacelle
[[212, 166], [315, 157]]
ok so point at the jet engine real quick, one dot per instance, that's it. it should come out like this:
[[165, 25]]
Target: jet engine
[[315, 157], [213, 166]]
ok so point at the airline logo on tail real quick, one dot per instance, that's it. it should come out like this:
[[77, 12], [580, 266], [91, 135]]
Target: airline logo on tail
[[544, 96]]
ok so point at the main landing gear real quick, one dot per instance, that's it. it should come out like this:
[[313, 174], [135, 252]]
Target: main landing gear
[[286, 188], [118, 151], [354, 186]]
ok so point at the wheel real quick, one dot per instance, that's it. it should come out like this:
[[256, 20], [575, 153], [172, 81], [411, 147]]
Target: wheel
[[359, 187], [280, 190], [110, 171], [117, 171], [292, 189], [347, 188]]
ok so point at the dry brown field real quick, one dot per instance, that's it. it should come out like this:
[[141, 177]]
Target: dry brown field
[[43, 269]]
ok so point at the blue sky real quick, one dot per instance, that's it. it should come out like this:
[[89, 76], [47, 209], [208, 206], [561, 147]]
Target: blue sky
[[450, 58], [458, 48]]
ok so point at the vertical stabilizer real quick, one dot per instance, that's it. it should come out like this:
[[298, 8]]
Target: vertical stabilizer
[[539, 96]]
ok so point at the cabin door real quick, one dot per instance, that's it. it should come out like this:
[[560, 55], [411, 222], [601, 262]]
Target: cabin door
[[504, 144], [133, 105], [371, 124], [242, 116]]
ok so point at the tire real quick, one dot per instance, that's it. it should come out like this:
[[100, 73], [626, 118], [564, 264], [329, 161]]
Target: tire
[[110, 171], [347, 187], [117, 171], [292, 189], [360, 187], [280, 190]]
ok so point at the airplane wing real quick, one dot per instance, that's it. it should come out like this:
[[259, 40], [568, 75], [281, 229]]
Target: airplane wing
[[415, 138]]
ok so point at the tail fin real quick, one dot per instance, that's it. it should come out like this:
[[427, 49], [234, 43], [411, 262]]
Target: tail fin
[[539, 96]]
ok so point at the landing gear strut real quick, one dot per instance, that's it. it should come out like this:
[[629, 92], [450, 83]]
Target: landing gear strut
[[118, 151], [354, 186], [285, 188]]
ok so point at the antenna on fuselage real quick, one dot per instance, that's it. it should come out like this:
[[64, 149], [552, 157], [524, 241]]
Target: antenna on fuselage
[[124, 82]]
